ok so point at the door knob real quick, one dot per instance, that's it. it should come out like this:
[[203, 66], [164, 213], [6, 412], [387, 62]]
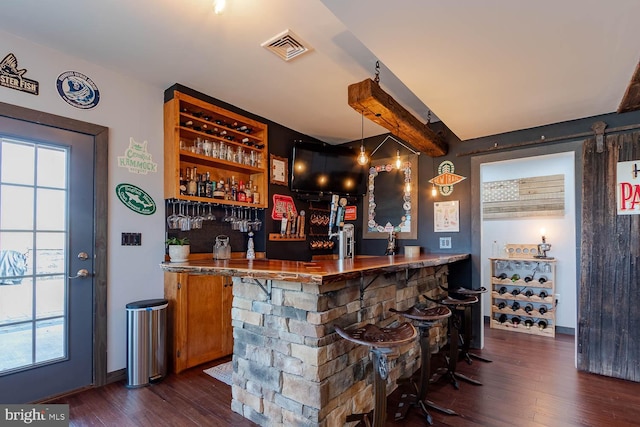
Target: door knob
[[83, 272], [83, 256]]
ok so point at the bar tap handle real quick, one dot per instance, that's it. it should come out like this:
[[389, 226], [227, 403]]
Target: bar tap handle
[[333, 213]]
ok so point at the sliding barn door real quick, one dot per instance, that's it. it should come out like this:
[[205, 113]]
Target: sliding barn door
[[609, 305]]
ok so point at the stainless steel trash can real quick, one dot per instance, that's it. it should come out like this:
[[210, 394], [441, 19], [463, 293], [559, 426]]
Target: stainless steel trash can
[[146, 342]]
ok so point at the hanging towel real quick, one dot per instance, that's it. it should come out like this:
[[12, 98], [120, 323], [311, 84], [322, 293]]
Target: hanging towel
[[12, 264]]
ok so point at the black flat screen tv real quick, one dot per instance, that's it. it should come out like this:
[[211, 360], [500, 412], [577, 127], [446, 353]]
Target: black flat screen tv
[[322, 169]]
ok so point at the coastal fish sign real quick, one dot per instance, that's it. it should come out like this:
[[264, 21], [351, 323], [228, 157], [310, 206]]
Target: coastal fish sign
[[13, 77], [136, 199], [628, 188]]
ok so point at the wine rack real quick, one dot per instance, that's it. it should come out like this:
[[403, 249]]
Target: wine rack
[[523, 294], [188, 122]]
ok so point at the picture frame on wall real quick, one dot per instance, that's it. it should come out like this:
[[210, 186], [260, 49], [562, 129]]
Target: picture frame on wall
[[279, 167]]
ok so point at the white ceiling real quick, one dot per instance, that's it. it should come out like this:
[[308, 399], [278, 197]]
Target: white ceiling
[[482, 67]]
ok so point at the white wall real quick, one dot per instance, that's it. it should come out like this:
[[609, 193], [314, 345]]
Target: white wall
[[560, 231], [129, 108]]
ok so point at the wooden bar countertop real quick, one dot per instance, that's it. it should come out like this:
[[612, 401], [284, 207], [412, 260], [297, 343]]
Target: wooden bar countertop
[[316, 272]]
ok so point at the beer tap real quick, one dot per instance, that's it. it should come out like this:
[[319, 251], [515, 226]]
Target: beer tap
[[345, 233]]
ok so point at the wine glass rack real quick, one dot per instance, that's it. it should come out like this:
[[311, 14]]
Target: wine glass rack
[[523, 294]]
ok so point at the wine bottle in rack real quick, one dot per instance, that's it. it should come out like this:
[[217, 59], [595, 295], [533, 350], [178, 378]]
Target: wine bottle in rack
[[502, 305], [542, 309], [515, 306], [502, 318], [528, 308], [543, 294], [542, 279], [515, 292], [528, 293], [503, 290], [502, 276], [528, 279], [528, 323], [515, 320], [542, 324]]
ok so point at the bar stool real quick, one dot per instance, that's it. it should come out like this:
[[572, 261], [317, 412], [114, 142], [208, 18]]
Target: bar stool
[[455, 325], [426, 318], [383, 343], [461, 293]]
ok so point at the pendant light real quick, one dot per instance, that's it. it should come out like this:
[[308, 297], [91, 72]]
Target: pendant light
[[363, 159]]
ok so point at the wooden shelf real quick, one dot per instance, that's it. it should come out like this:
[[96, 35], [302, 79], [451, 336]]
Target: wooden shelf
[[183, 108], [280, 237]]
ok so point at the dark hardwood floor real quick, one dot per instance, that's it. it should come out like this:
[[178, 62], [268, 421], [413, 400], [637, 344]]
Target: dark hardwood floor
[[531, 382]]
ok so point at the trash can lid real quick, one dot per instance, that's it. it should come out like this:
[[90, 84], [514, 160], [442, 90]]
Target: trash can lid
[[147, 303]]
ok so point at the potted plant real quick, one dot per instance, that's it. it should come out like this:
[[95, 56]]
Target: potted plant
[[179, 249]]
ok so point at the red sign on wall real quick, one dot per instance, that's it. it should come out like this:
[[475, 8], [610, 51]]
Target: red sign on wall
[[281, 205], [350, 213]]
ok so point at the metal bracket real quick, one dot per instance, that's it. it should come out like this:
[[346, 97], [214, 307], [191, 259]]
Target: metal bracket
[[406, 273], [364, 288], [266, 288], [598, 129]]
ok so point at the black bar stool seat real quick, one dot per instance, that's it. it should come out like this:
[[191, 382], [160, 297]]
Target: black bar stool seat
[[426, 318], [383, 342]]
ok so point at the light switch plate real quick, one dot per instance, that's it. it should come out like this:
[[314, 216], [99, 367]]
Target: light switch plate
[[445, 243]]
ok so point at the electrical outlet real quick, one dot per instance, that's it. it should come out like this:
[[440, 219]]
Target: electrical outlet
[[445, 243], [557, 298], [131, 239]]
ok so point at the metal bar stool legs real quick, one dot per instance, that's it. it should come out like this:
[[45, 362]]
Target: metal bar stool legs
[[463, 293], [426, 318], [383, 342]]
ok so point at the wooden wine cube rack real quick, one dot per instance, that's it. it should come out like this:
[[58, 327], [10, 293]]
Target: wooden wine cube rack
[[516, 271]]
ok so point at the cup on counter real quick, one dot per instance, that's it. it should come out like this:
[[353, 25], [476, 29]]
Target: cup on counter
[[412, 251]]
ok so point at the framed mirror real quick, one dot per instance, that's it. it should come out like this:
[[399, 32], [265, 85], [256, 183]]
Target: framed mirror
[[392, 199]]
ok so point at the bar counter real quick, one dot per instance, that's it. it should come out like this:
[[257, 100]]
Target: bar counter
[[317, 272], [290, 367]]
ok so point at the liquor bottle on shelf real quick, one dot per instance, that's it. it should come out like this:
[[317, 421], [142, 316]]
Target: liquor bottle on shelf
[[208, 189], [219, 191], [248, 193], [183, 183], [202, 185], [192, 185], [241, 196], [542, 309], [256, 195], [542, 324], [528, 308], [515, 306]]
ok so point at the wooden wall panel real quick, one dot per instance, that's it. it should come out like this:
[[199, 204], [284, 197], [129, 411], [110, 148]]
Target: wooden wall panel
[[609, 292], [523, 197]]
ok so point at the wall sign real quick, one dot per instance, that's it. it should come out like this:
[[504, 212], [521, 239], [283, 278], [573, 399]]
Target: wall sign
[[523, 197], [78, 90], [136, 199], [137, 159], [446, 179], [628, 188], [446, 216], [13, 78], [281, 205]]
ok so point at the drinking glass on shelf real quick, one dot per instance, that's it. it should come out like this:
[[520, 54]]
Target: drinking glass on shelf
[[185, 220], [210, 216], [207, 147], [173, 219], [222, 153]]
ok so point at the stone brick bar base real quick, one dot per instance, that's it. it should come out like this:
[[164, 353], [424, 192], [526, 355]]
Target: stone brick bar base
[[290, 366]]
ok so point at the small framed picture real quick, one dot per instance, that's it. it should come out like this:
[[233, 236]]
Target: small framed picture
[[279, 170]]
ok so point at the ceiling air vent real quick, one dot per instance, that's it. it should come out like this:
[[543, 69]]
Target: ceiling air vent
[[287, 45]]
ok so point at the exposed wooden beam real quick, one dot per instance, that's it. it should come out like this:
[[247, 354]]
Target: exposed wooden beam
[[631, 99], [368, 98]]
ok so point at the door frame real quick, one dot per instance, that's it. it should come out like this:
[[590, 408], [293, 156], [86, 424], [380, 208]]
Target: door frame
[[571, 145], [101, 139]]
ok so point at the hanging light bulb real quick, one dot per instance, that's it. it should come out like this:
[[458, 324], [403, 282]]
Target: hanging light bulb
[[363, 159], [398, 161], [407, 187], [218, 6], [434, 191]]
